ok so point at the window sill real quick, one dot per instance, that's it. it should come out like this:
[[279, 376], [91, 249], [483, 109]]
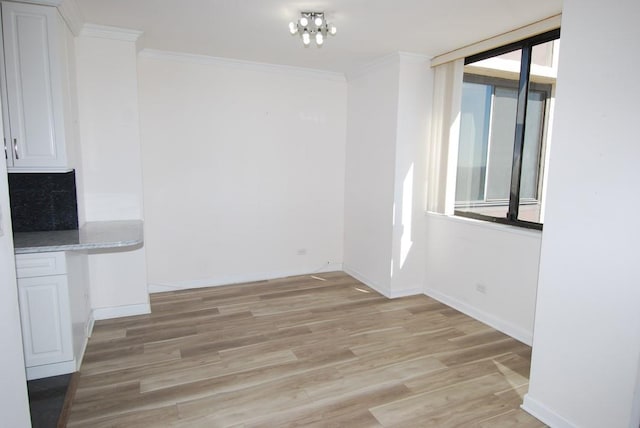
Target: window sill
[[505, 228], [492, 219]]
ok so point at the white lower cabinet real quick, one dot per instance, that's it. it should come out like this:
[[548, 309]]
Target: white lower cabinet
[[54, 311], [46, 322]]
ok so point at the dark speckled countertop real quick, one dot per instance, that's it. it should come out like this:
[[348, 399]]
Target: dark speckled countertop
[[96, 235]]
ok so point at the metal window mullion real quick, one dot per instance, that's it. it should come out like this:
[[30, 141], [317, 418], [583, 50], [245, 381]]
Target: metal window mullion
[[489, 136], [518, 144], [543, 145]]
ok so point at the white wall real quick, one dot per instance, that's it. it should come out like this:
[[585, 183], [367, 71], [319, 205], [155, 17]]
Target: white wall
[[464, 255], [111, 173], [118, 282], [243, 169], [70, 102], [370, 173], [415, 88], [14, 402], [586, 347], [390, 244], [109, 130], [389, 106]]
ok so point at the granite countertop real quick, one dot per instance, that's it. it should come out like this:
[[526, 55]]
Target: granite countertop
[[92, 236]]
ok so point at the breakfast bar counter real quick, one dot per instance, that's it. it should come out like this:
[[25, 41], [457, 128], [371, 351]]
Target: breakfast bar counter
[[97, 235]]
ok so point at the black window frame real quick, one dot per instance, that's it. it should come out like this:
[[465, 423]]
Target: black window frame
[[526, 46]]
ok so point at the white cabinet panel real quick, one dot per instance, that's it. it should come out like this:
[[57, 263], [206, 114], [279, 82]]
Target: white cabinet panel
[[54, 311], [40, 264], [32, 96], [46, 324]]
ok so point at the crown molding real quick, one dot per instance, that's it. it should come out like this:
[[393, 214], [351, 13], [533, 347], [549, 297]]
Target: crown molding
[[54, 3], [416, 58], [388, 60], [108, 32], [72, 16], [243, 64], [68, 9], [376, 64]]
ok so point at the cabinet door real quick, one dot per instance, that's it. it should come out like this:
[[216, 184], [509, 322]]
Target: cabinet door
[[46, 324], [33, 90]]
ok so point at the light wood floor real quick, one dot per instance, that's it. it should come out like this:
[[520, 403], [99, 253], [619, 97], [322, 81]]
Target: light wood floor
[[300, 352]]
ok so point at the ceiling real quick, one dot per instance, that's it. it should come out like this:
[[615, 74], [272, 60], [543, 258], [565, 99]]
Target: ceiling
[[257, 30]]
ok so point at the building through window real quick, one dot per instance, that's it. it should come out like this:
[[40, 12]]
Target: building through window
[[507, 98]]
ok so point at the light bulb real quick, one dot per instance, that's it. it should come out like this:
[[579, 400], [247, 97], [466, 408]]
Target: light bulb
[[333, 30], [318, 21], [293, 28], [305, 38], [319, 38], [304, 21]]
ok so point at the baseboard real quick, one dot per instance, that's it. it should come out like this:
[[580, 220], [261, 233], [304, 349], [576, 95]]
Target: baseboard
[[82, 351], [90, 323], [48, 370], [63, 419], [391, 294], [544, 414], [516, 332], [408, 292], [88, 330], [366, 281], [121, 311], [238, 279]]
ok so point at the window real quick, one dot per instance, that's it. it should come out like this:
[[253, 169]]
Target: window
[[503, 145]]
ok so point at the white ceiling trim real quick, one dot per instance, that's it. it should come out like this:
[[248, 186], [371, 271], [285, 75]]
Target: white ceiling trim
[[383, 61], [237, 63], [43, 2], [530, 30], [72, 16], [108, 32], [414, 57], [392, 58]]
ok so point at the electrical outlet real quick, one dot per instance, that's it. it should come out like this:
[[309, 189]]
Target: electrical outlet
[[301, 251], [481, 288]]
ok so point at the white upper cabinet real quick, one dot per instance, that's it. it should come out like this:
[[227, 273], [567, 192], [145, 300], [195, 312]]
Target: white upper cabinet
[[33, 69]]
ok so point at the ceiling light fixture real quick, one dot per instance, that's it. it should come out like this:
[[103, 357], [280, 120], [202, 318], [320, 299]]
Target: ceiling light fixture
[[312, 24]]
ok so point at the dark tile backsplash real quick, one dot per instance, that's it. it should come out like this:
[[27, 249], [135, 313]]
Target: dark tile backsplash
[[43, 201]]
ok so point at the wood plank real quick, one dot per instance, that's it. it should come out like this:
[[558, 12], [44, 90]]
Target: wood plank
[[188, 375], [511, 418], [300, 351], [434, 408]]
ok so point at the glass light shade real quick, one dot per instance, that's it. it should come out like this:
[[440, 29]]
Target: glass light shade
[[310, 25]]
